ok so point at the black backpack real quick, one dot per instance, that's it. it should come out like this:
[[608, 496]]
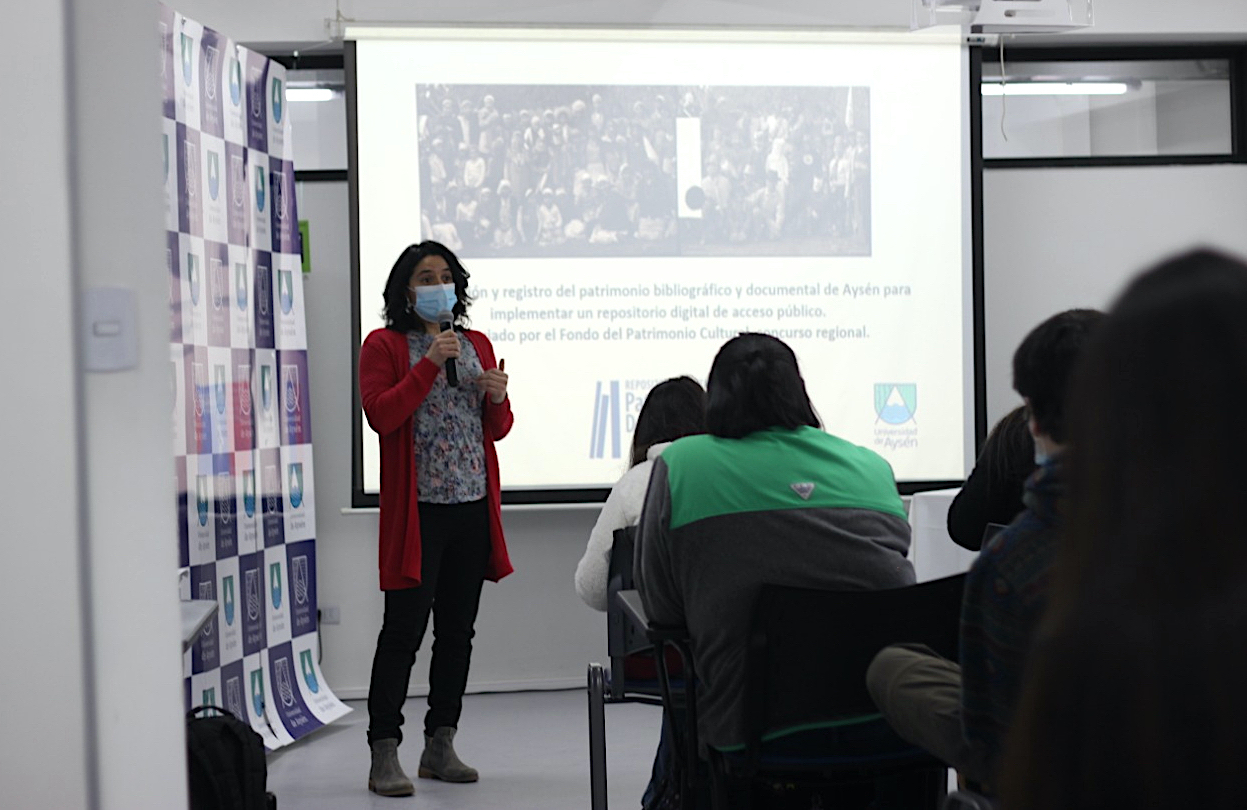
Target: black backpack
[[225, 762]]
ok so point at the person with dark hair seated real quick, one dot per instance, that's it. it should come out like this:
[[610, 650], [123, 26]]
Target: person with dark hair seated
[[993, 492], [960, 712], [765, 497], [1134, 693], [673, 409]]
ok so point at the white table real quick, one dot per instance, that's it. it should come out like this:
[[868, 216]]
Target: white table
[[932, 552]]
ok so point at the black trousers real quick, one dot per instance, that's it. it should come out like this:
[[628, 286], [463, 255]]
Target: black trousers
[[454, 541]]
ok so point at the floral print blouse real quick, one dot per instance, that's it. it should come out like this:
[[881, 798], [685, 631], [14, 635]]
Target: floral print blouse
[[448, 436]]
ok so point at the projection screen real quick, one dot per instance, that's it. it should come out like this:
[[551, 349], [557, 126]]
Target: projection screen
[[627, 200]]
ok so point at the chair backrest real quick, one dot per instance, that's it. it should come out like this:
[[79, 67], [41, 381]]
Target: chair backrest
[[622, 637], [809, 649]]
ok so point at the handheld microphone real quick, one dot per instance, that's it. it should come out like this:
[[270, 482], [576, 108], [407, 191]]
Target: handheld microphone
[[445, 322]]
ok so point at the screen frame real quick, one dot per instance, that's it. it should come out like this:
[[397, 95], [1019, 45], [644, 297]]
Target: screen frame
[[593, 495]]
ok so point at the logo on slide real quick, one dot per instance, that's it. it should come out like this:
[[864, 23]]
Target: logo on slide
[[257, 691], [309, 671], [607, 420], [896, 403], [274, 583], [227, 599]]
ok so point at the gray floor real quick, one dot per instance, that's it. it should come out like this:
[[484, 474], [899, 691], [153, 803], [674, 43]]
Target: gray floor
[[531, 748]]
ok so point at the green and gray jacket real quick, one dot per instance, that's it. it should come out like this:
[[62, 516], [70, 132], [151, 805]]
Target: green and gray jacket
[[723, 516]]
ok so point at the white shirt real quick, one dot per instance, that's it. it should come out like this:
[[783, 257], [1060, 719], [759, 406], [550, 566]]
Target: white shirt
[[622, 509]]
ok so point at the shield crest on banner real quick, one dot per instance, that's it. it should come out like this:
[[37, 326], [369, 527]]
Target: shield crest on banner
[[233, 696], [285, 687], [201, 499], [206, 592], [227, 599], [248, 492], [240, 285], [192, 169], [242, 379], [259, 188], [279, 194], [298, 572], [291, 375], [201, 387], [262, 282], [214, 174], [274, 584], [309, 671], [278, 98], [257, 692], [272, 489], [224, 496], [896, 403], [209, 696], [266, 387], [188, 55], [296, 484], [210, 55], [256, 90], [235, 81], [192, 277], [238, 184], [218, 387], [220, 284], [285, 291], [251, 583]]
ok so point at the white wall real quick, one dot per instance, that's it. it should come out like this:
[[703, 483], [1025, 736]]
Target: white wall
[[273, 21], [42, 669], [88, 616], [1061, 238]]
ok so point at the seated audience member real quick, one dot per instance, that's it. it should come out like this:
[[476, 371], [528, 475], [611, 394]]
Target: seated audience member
[[960, 712], [1134, 694], [673, 409], [993, 492], [766, 497]]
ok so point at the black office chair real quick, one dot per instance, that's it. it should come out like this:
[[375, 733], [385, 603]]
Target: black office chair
[[626, 644], [808, 716]]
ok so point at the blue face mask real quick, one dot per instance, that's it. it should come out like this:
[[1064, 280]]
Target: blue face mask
[[434, 299]]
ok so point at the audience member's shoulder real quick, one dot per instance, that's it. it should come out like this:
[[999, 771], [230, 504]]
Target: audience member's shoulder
[[689, 447], [863, 456]]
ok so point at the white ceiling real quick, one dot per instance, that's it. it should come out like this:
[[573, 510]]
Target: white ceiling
[[287, 21]]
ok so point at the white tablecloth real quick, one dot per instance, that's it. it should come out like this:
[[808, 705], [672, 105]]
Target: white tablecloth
[[932, 552]]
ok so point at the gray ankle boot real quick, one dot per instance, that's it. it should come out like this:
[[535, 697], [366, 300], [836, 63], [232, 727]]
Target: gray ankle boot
[[386, 778], [439, 760]]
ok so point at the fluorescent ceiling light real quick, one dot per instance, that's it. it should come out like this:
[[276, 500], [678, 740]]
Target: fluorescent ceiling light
[[1055, 89], [308, 94]]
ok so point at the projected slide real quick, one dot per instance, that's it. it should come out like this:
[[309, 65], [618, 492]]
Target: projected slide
[[628, 201], [576, 170]]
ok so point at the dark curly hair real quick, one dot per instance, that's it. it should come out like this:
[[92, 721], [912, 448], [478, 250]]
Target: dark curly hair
[[397, 314]]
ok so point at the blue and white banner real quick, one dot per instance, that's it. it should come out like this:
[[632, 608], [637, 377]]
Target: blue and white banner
[[242, 428]]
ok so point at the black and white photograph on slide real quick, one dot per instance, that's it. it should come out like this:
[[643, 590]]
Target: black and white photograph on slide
[[523, 171], [548, 170], [785, 171]]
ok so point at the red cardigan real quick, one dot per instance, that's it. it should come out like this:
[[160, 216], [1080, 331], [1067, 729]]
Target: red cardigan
[[391, 389]]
